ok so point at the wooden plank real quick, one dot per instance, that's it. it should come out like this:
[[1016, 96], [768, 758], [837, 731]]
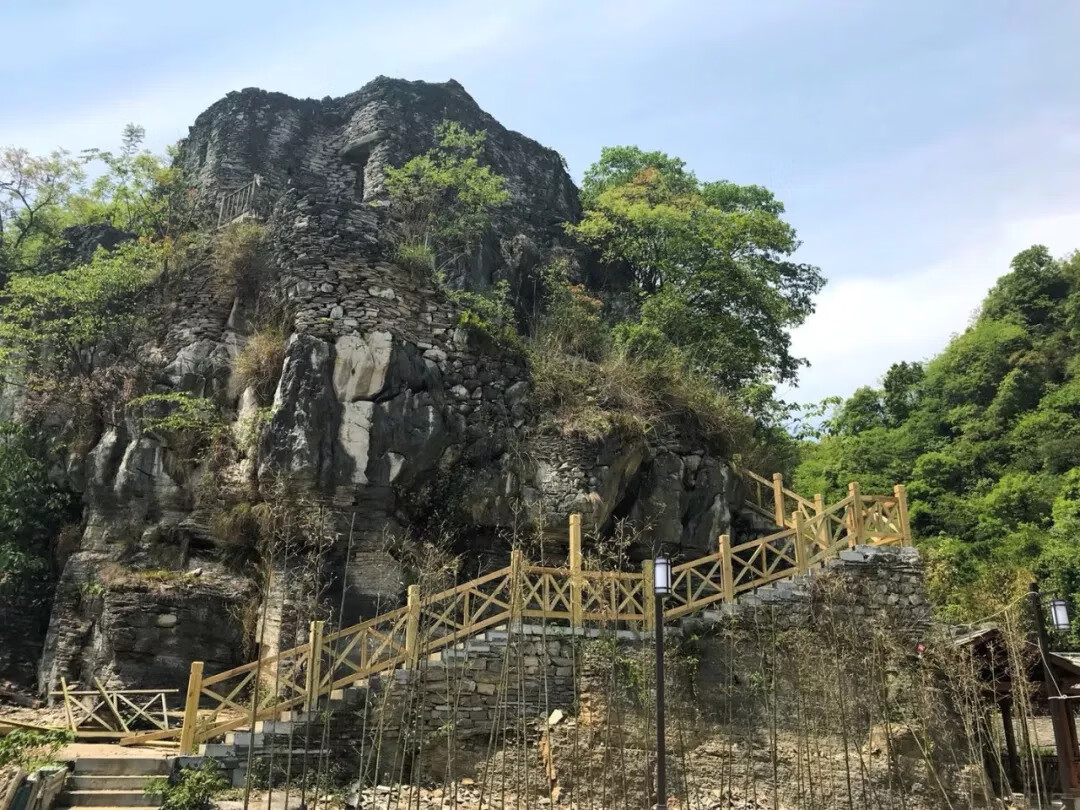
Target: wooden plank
[[855, 513], [727, 568], [778, 498], [900, 493], [577, 582], [800, 544], [191, 709], [412, 628]]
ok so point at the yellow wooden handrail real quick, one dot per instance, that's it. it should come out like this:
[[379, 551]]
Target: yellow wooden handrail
[[812, 533]]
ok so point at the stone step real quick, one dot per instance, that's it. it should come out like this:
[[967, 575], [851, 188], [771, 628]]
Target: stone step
[[107, 782], [122, 766], [110, 798]]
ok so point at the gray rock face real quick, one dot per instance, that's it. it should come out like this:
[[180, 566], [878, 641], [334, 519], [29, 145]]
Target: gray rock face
[[382, 399]]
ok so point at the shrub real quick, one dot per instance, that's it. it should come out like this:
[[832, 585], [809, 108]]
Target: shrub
[[187, 424], [236, 526], [443, 199], [240, 258], [595, 383], [490, 314], [29, 749], [415, 256], [191, 788], [258, 364]]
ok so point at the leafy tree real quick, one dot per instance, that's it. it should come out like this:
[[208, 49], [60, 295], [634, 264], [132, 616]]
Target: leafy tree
[[443, 199], [137, 191], [987, 437], [64, 322], [900, 390], [33, 194], [710, 262], [32, 509]]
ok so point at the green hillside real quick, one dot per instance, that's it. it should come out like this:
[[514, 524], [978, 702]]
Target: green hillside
[[987, 437]]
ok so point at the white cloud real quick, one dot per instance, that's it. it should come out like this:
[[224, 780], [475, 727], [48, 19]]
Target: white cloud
[[864, 324]]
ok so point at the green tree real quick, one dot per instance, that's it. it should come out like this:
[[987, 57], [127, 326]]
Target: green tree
[[443, 199], [710, 262], [32, 509], [65, 322], [34, 193]]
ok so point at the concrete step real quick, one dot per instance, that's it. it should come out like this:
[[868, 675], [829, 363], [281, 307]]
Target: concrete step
[[110, 798], [122, 766], [108, 782]]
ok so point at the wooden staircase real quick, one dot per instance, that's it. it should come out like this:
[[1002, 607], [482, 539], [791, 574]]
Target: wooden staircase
[[809, 534]]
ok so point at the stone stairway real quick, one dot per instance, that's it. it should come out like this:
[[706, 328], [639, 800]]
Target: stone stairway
[[111, 782]]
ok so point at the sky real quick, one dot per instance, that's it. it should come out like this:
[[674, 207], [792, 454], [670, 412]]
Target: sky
[[918, 146]]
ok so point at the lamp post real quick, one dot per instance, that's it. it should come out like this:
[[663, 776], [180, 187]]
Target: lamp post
[[661, 588], [1059, 708]]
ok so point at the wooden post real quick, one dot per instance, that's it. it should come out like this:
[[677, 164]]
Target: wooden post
[[778, 498], [191, 709], [648, 596], [412, 628], [517, 571], [823, 522], [67, 704], [855, 516], [577, 579], [727, 568], [800, 544], [314, 668], [901, 514]]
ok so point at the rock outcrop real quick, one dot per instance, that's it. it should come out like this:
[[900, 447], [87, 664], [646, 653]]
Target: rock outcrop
[[383, 402]]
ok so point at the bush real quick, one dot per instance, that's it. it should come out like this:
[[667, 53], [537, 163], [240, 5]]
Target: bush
[[29, 749], [490, 314], [415, 256], [258, 364], [187, 425], [241, 258], [190, 789], [595, 384]]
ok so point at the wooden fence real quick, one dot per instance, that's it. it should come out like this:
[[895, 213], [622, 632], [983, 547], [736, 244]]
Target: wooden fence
[[239, 202], [809, 533], [111, 713]]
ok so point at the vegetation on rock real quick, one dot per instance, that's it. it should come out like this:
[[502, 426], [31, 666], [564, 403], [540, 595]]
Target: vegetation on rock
[[444, 198]]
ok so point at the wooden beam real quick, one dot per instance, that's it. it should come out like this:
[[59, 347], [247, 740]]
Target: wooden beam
[[577, 581], [778, 498], [191, 709], [727, 568], [412, 628]]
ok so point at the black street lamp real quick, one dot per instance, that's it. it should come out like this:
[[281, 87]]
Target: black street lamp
[[661, 588]]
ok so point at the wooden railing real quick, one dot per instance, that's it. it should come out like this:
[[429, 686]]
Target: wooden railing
[[237, 203], [101, 712], [298, 677]]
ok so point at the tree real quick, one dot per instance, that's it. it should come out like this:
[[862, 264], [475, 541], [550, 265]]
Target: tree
[[137, 192], [443, 199], [710, 262], [63, 322], [33, 194], [32, 508], [899, 390]]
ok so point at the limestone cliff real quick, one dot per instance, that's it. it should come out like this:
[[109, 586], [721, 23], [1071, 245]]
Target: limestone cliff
[[383, 398]]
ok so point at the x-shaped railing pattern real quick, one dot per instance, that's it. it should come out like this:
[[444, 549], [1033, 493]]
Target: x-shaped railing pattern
[[811, 534]]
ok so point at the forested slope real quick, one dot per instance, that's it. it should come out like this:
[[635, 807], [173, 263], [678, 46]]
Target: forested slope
[[987, 437]]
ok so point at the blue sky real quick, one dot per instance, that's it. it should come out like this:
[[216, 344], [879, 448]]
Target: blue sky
[[917, 145]]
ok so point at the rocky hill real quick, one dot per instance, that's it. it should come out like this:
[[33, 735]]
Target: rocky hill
[[386, 409]]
